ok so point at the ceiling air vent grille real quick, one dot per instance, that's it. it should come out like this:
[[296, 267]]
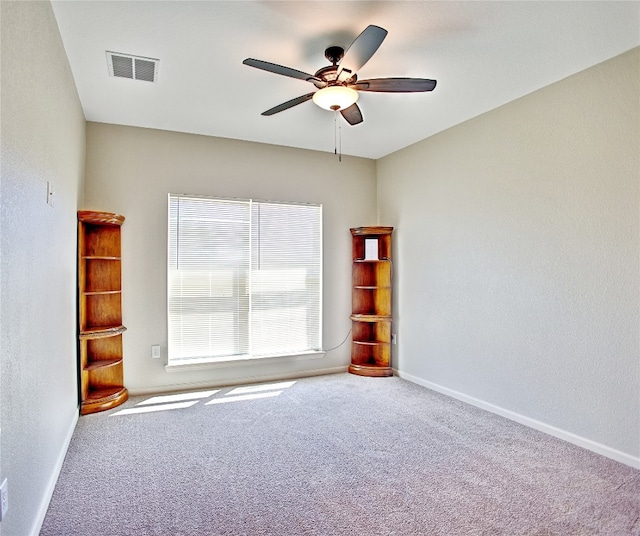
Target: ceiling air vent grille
[[132, 67]]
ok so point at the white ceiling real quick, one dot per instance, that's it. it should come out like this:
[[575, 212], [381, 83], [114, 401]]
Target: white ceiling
[[482, 53]]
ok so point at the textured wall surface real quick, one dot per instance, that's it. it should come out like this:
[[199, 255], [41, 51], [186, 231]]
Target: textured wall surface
[[130, 171], [517, 255], [516, 250], [43, 139]]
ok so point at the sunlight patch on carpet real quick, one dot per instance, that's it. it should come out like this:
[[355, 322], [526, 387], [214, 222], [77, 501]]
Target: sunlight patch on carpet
[[241, 398], [163, 399], [260, 388], [150, 409], [191, 398]]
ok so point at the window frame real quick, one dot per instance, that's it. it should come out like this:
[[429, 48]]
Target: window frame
[[176, 362]]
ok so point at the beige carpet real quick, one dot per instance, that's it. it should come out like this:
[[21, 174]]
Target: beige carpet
[[332, 455]]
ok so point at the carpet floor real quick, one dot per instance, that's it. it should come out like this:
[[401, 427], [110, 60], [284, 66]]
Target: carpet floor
[[330, 455]]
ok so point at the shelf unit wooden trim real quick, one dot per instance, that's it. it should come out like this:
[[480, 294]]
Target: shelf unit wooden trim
[[370, 318], [104, 393], [103, 399], [100, 258], [99, 292], [371, 231], [100, 218], [364, 370], [371, 343], [98, 333], [102, 363]]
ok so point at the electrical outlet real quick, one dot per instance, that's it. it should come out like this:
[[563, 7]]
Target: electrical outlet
[[155, 351], [4, 499], [394, 338]]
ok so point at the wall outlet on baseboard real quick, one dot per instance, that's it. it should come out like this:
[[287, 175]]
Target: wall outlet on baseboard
[[155, 351], [4, 499]]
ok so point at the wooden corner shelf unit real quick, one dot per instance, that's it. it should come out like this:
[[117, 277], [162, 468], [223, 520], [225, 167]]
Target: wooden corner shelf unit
[[371, 301], [100, 311]]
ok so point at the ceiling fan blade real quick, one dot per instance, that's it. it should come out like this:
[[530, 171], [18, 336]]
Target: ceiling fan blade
[[363, 47], [289, 104], [352, 114], [395, 85], [281, 69]]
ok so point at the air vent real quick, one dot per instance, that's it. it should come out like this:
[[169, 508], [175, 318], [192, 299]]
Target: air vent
[[132, 67]]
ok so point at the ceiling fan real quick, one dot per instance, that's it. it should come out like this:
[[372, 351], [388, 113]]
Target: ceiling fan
[[337, 84]]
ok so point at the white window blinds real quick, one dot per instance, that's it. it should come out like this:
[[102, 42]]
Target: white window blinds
[[244, 278]]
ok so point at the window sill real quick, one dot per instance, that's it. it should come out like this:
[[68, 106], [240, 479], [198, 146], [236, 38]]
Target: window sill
[[235, 361]]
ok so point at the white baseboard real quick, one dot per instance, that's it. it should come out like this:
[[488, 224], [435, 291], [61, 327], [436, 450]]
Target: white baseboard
[[580, 441], [240, 381], [48, 492]]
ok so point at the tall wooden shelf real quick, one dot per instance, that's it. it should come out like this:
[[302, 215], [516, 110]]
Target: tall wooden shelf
[[100, 311], [371, 301]]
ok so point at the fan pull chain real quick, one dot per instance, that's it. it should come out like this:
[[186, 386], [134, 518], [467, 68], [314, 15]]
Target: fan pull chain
[[337, 136], [335, 132], [339, 140]]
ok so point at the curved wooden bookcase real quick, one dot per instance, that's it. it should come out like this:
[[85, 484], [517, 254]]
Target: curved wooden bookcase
[[371, 301], [100, 311]]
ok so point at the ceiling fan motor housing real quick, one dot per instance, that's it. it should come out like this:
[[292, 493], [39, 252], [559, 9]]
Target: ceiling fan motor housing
[[330, 75]]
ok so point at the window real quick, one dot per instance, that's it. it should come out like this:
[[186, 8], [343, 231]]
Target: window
[[244, 279]]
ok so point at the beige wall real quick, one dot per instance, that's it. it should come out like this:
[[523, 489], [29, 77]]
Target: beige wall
[[516, 252], [130, 171], [43, 131], [517, 249]]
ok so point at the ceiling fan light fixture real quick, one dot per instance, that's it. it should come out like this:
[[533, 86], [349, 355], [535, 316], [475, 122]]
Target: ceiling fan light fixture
[[335, 97]]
